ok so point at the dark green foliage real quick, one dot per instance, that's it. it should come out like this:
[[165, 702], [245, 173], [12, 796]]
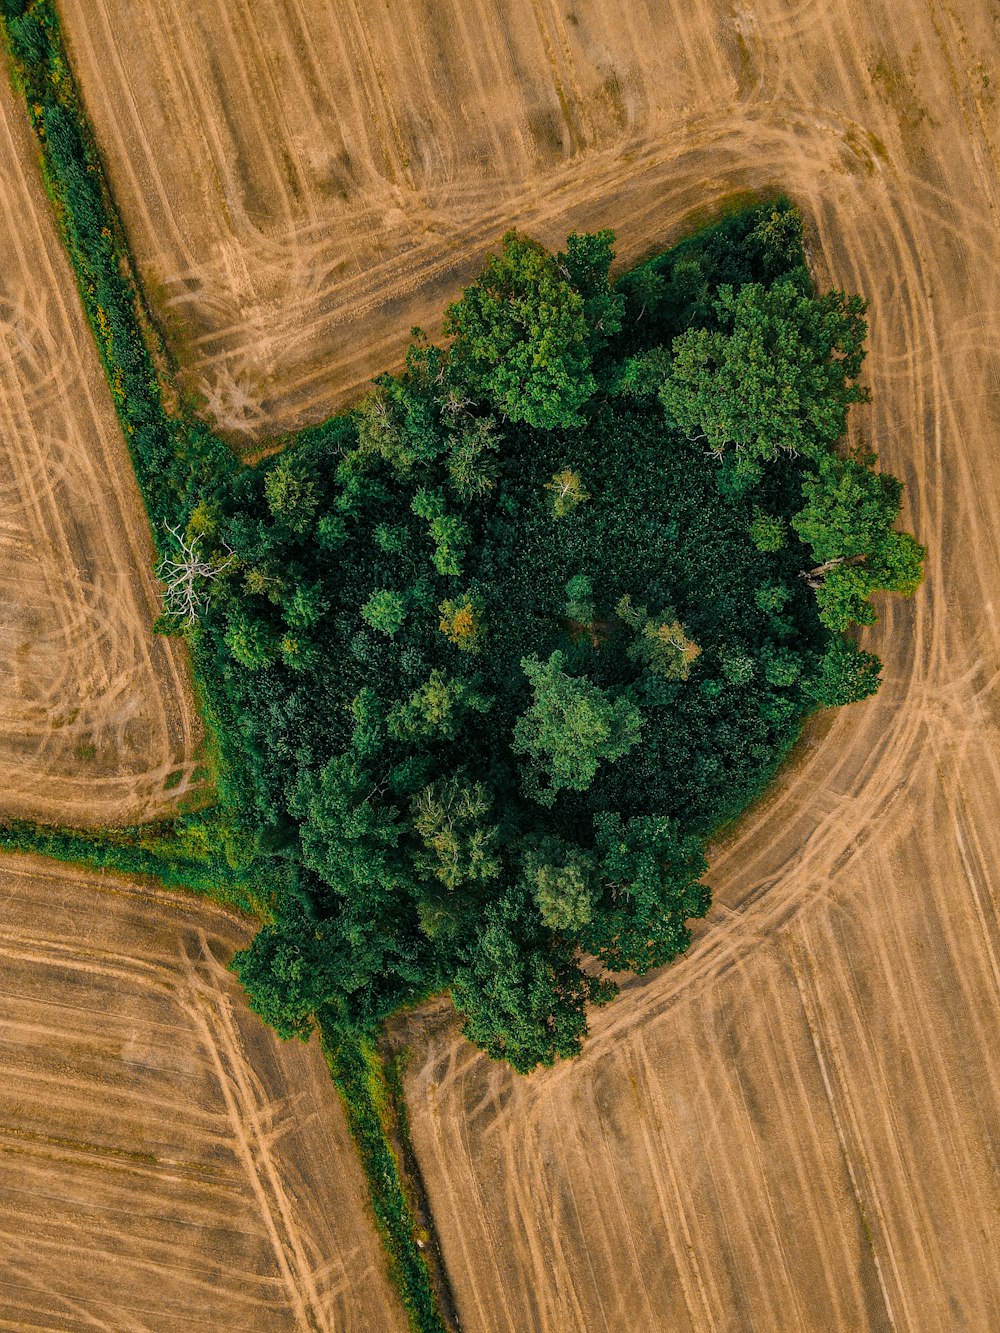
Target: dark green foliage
[[510, 632], [399, 421], [485, 511], [563, 881], [285, 973], [846, 675], [472, 462], [767, 531], [385, 611], [437, 709], [579, 600], [848, 508], [651, 874]]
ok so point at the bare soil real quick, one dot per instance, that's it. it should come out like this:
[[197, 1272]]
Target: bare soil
[[165, 1161], [97, 721], [302, 182]]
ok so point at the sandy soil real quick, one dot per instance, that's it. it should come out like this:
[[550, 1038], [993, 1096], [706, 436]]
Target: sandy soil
[[165, 1161], [302, 180], [97, 722]]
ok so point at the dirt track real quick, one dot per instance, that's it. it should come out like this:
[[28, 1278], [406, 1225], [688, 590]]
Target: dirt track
[[795, 1127], [165, 1161], [97, 722]]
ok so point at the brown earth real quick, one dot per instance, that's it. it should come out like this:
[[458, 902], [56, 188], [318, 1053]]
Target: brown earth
[[97, 720], [165, 1161], [796, 1127], [301, 182]]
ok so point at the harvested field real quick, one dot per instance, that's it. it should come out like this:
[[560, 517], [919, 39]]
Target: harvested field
[[97, 720], [796, 1126], [302, 182], [165, 1161]]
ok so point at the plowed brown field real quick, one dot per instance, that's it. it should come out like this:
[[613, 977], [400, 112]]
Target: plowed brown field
[[97, 722], [165, 1161]]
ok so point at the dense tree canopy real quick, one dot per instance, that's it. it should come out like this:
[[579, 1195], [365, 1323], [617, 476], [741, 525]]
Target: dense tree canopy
[[775, 374], [509, 641]]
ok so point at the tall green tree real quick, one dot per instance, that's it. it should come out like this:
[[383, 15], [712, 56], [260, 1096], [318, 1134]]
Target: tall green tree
[[846, 675], [451, 818], [285, 974], [651, 872], [777, 374], [848, 507], [400, 420], [847, 522], [562, 879], [437, 709], [521, 989], [521, 335], [661, 643], [570, 728]]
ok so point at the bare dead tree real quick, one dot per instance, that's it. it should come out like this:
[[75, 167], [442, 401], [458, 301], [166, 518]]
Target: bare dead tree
[[188, 577], [815, 577], [454, 402]]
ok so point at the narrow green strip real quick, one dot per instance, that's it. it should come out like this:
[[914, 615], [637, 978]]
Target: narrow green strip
[[369, 1104]]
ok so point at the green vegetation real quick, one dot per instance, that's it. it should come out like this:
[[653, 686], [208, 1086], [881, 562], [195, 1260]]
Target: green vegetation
[[179, 464], [488, 659], [375, 1119], [509, 642]]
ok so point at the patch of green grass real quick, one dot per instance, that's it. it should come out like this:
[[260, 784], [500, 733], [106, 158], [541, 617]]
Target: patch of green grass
[[360, 1079]]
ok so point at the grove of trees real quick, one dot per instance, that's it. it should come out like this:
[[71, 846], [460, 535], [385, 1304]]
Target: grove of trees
[[507, 643]]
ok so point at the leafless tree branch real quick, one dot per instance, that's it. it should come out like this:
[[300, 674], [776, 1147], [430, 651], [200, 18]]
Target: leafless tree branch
[[187, 578]]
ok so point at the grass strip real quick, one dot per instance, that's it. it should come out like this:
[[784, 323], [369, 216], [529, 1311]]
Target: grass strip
[[145, 852], [373, 1116]]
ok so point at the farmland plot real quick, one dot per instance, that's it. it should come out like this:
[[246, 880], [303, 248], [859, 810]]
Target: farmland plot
[[795, 1126], [97, 719], [302, 182], [165, 1161]]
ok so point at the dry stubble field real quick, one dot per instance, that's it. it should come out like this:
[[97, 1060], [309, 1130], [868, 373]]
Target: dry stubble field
[[165, 1161], [796, 1126], [97, 720]]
